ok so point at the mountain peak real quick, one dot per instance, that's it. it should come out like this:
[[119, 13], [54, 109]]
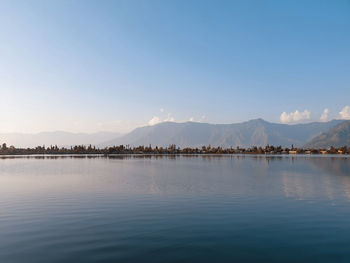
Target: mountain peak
[[258, 120]]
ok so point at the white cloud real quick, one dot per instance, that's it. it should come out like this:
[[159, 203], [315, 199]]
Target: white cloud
[[169, 118], [193, 119], [155, 120], [345, 113], [324, 116], [161, 110], [294, 117]]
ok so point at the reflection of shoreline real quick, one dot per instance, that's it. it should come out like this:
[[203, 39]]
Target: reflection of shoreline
[[240, 175], [330, 177], [333, 165], [340, 168], [174, 156], [292, 186]]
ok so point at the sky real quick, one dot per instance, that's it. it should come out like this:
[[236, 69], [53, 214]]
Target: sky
[[88, 66]]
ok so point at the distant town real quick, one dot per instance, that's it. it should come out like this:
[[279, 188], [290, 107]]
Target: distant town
[[171, 149]]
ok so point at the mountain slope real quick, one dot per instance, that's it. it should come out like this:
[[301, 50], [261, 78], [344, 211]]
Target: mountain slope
[[337, 136], [59, 138], [192, 134]]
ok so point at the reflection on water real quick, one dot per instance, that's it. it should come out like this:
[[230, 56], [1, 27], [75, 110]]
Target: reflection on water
[[156, 208]]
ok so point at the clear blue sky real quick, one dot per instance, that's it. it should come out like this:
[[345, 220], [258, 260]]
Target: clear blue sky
[[115, 65]]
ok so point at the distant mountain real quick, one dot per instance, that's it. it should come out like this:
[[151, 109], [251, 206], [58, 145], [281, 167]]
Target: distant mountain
[[192, 134], [337, 136], [59, 138]]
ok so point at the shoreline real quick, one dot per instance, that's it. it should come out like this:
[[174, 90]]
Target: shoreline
[[138, 155]]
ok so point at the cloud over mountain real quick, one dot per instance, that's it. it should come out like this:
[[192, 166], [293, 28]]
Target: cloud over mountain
[[294, 117], [155, 120], [324, 116], [345, 113]]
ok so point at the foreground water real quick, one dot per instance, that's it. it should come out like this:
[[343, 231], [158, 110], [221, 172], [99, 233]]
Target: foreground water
[[175, 209]]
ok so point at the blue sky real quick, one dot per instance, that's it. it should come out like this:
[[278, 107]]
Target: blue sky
[[87, 66]]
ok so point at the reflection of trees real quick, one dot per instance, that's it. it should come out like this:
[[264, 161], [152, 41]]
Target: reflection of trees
[[320, 176], [298, 177], [334, 165], [293, 185], [336, 170]]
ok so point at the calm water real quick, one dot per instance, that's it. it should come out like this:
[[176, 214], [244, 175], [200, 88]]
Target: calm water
[[175, 209]]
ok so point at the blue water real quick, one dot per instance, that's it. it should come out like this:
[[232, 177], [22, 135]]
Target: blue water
[[175, 209]]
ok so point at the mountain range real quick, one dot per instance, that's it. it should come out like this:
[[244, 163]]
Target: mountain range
[[194, 134], [337, 136], [256, 132], [59, 138]]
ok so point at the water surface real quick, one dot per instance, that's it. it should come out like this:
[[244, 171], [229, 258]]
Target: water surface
[[175, 209]]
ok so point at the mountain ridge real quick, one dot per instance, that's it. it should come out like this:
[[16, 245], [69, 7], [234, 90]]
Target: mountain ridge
[[59, 138], [256, 132], [337, 136]]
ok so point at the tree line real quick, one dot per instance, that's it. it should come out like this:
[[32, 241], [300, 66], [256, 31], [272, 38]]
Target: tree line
[[171, 149]]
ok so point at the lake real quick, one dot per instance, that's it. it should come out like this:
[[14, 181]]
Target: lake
[[175, 209]]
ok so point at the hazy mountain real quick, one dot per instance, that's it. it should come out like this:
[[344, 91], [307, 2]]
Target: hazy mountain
[[337, 136], [192, 134], [59, 138]]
